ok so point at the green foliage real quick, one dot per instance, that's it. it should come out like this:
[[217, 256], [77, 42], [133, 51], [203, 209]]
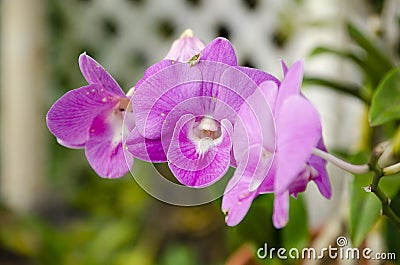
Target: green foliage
[[368, 57], [375, 62], [364, 212], [380, 91], [179, 255], [365, 208], [385, 105]]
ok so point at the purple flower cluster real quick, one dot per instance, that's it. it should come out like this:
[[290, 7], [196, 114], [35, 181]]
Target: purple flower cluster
[[200, 112]]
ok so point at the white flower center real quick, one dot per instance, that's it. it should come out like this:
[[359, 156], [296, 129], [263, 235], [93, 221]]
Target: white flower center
[[206, 133]]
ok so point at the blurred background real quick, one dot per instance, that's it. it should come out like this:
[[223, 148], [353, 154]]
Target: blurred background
[[55, 210]]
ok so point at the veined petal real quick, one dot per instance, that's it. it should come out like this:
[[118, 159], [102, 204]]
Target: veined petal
[[104, 150], [153, 70], [258, 76], [219, 50], [231, 87], [254, 132], [198, 164], [219, 91], [161, 93], [270, 91], [94, 73], [72, 146], [260, 105], [237, 197], [71, 116], [298, 132], [280, 215], [322, 180], [149, 150]]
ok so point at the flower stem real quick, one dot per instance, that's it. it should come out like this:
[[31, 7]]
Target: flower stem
[[355, 169], [372, 166], [390, 170], [385, 201]]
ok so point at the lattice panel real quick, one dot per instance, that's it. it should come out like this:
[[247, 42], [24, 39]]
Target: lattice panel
[[129, 35]]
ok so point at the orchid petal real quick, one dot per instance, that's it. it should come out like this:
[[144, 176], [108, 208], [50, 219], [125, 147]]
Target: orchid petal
[[322, 180], [298, 130], [255, 132], [237, 197], [290, 84], [149, 150], [94, 73], [270, 92], [219, 50], [219, 90], [184, 48], [71, 116], [160, 93], [285, 69], [258, 76], [104, 150], [153, 70], [280, 215]]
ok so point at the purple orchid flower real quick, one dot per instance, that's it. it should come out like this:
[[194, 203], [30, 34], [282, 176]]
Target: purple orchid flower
[[91, 117], [186, 112], [274, 136], [184, 48]]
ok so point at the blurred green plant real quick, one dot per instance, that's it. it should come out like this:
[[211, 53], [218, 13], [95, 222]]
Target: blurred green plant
[[379, 91]]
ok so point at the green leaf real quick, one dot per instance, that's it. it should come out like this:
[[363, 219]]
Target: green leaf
[[385, 105], [337, 86], [364, 213], [390, 185], [369, 46], [365, 208], [344, 54]]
